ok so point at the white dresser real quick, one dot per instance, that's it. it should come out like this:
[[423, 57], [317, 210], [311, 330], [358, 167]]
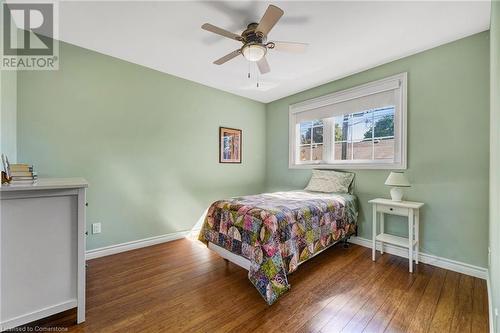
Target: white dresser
[[42, 250]]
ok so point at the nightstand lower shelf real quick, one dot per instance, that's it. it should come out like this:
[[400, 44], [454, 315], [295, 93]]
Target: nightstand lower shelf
[[396, 240]]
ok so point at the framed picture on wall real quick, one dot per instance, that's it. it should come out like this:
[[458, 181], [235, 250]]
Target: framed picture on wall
[[229, 145]]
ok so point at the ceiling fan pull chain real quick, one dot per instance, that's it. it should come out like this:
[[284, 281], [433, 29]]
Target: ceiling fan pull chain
[[257, 75]]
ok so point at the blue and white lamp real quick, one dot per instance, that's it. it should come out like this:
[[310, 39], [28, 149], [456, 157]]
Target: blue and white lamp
[[397, 180]]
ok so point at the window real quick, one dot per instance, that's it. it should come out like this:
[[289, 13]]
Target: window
[[362, 127]]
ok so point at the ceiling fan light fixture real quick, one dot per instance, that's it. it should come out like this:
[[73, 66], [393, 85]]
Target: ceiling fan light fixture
[[254, 52]]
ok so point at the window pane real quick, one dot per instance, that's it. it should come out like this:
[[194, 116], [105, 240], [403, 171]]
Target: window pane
[[357, 130], [384, 149], [363, 150], [348, 155], [359, 124], [384, 123], [383, 119], [317, 122], [305, 153], [305, 133], [342, 151], [317, 152], [341, 128], [318, 134]]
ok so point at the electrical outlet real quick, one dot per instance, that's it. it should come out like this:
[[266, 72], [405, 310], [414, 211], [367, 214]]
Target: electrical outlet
[[96, 228]]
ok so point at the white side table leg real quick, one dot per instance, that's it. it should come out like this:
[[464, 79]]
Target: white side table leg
[[381, 231], [374, 231], [410, 240], [417, 228]]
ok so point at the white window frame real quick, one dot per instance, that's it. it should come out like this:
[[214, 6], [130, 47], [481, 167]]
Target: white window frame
[[400, 126]]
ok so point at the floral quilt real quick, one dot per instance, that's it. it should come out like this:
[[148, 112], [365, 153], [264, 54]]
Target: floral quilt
[[278, 231]]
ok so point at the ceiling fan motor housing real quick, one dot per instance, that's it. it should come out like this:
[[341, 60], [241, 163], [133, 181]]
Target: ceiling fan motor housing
[[250, 35]]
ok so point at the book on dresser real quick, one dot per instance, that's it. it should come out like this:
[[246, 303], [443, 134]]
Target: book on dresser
[[22, 174], [19, 173]]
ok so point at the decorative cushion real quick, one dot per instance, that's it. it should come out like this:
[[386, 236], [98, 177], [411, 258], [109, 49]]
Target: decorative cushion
[[330, 181]]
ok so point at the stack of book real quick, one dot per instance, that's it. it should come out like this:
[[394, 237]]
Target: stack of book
[[22, 174], [17, 173]]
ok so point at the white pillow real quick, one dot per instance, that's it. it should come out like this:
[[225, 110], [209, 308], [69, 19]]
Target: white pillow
[[330, 181]]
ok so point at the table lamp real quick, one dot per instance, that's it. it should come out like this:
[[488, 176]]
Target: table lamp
[[397, 180]]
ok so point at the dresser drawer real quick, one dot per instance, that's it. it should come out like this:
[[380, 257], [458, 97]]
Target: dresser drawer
[[392, 210]]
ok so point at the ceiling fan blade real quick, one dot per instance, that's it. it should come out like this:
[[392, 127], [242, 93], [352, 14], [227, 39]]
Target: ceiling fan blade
[[263, 66], [271, 16], [290, 47], [220, 31], [227, 57]]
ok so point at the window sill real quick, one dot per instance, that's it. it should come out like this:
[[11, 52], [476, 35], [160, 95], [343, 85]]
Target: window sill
[[351, 166]]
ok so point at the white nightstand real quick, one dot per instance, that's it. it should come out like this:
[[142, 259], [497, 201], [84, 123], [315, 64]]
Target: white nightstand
[[401, 208]]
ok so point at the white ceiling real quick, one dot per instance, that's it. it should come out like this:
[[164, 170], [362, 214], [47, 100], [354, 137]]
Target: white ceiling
[[344, 37]]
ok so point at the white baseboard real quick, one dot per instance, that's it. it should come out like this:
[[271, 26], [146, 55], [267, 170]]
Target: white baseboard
[[36, 315], [137, 244], [452, 265]]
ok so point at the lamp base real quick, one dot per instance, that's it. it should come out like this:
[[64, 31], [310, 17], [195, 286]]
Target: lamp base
[[396, 194]]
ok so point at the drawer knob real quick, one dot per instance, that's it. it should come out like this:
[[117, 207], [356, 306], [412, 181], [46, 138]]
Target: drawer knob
[[391, 209]]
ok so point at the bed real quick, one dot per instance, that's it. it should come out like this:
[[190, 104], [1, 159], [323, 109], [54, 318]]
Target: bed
[[271, 234]]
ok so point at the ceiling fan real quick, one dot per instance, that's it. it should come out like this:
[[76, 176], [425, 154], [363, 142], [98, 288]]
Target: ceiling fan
[[254, 40]]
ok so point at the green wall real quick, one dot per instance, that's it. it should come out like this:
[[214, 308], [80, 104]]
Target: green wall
[[146, 141], [8, 108], [494, 268], [448, 147]]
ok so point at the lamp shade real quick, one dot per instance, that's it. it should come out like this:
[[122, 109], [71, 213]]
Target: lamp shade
[[397, 179]]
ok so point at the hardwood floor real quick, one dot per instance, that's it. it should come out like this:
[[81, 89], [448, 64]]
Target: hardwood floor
[[182, 286]]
